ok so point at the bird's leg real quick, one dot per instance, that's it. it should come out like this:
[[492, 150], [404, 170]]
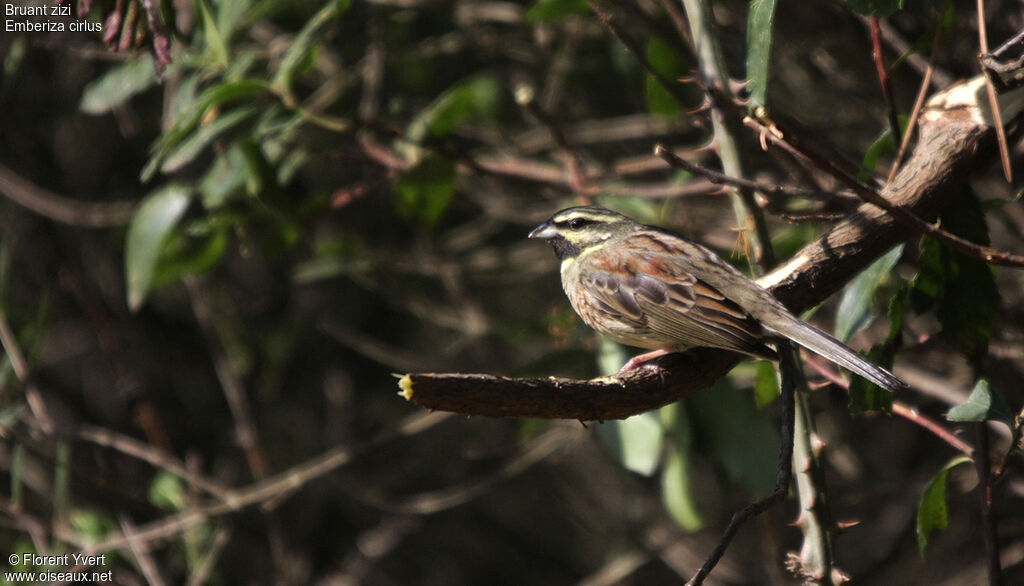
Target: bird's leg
[[641, 358]]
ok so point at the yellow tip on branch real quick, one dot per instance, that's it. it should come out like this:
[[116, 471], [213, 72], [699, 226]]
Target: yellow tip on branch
[[405, 384]]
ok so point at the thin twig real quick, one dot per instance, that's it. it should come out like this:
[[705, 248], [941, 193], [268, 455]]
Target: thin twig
[[912, 414], [892, 37], [231, 384], [1011, 452], [257, 493], [577, 179], [202, 571], [783, 477], [993, 101], [20, 366], [883, 80], [140, 549], [61, 209], [538, 449], [899, 408], [147, 453], [771, 130], [922, 94], [35, 528], [988, 512], [771, 190], [608, 20]]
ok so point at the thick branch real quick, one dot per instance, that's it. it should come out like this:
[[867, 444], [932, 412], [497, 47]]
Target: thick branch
[[658, 382], [955, 139]]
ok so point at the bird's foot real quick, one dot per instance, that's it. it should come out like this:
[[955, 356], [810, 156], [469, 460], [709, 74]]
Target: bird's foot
[[642, 358]]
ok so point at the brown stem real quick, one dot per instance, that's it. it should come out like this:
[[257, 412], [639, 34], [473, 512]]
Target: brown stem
[[988, 513], [883, 79]]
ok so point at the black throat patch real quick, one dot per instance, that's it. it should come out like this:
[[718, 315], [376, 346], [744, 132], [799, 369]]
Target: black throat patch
[[564, 249]]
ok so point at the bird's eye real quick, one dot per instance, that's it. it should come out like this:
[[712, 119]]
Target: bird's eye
[[577, 223]]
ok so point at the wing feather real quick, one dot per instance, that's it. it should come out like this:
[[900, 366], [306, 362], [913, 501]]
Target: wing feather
[[652, 288]]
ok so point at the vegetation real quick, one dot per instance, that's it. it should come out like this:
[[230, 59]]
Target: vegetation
[[228, 224]]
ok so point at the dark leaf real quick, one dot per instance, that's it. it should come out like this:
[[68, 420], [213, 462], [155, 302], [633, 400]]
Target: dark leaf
[[984, 404], [476, 98], [666, 61], [877, 8], [425, 191], [766, 384], [741, 438], [961, 289], [932, 513], [552, 10], [856, 308], [866, 395]]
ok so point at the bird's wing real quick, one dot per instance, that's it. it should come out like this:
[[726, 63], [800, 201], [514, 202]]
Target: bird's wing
[[649, 281]]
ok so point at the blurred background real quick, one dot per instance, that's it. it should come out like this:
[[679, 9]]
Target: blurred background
[[228, 224]]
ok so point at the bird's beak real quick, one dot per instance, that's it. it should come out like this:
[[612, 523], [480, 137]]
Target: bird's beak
[[545, 231]]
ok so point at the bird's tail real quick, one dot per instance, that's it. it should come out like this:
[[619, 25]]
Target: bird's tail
[[828, 347]]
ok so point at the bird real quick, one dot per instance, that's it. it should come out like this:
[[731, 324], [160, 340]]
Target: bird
[[651, 288]]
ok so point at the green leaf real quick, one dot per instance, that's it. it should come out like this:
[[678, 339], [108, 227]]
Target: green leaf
[[229, 14], [877, 8], [789, 239], [665, 61], [610, 356], [167, 491], [962, 289], [183, 258], [984, 404], [147, 235], [866, 395], [475, 98], [552, 10], [932, 511], [90, 525], [635, 442], [216, 46], [17, 50], [677, 490], [191, 147], [425, 191], [183, 100], [766, 384], [328, 267], [301, 53], [742, 439], [213, 96], [225, 178], [883, 145], [760, 21], [118, 85], [856, 310]]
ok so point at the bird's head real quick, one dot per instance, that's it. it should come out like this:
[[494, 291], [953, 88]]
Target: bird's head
[[574, 231]]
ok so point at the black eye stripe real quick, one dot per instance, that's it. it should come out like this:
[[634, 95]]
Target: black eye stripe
[[575, 223]]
